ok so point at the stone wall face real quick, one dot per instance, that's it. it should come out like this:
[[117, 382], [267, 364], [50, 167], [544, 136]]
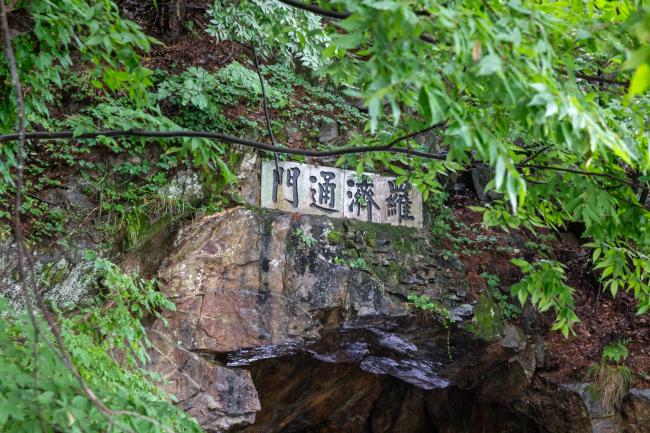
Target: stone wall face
[[298, 323], [251, 285]]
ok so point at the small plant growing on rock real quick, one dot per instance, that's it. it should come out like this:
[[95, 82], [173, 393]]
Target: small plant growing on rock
[[334, 237], [424, 302], [305, 238], [611, 378], [359, 263], [509, 310]]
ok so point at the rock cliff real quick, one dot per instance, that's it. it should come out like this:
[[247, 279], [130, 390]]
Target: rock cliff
[[295, 323]]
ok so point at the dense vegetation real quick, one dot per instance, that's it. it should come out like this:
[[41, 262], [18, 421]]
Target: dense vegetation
[[551, 95]]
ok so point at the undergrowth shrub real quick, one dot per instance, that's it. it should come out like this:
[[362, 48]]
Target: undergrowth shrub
[[610, 378], [53, 400]]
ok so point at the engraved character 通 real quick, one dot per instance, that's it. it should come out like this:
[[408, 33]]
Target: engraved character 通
[[326, 199]]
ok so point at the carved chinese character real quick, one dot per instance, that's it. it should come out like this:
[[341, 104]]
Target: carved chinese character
[[292, 182], [362, 198], [326, 198], [398, 201]]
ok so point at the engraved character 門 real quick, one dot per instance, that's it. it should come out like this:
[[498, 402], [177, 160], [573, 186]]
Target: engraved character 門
[[292, 182]]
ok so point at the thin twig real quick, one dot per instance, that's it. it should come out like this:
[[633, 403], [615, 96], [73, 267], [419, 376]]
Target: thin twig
[[316, 10], [18, 228], [644, 196], [576, 171], [534, 155], [266, 114], [602, 80]]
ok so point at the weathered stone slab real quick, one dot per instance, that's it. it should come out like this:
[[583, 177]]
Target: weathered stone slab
[[291, 193], [319, 190], [363, 197]]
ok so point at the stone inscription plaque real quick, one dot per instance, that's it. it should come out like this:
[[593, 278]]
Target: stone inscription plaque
[[337, 193]]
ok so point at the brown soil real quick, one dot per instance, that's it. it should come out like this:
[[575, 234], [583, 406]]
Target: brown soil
[[603, 319]]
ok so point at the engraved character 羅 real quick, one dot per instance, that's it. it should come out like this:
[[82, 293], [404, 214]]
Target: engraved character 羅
[[398, 201]]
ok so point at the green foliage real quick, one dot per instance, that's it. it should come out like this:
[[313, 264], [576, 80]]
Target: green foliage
[[424, 302], [492, 310], [509, 310], [112, 324], [90, 33], [359, 263], [639, 58], [199, 89], [114, 320], [611, 379], [279, 29], [442, 216], [305, 238], [487, 322], [511, 81], [334, 237], [544, 284], [616, 352], [203, 99], [624, 267], [205, 154]]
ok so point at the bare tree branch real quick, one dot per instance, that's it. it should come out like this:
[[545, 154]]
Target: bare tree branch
[[236, 140], [389, 147], [644, 196], [576, 171], [336, 15], [316, 10], [17, 226], [598, 79]]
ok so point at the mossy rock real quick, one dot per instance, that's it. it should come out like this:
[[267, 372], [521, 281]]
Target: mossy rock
[[488, 318], [334, 237]]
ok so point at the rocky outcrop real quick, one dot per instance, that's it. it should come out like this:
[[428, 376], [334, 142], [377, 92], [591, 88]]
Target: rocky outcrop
[[218, 397], [636, 411], [295, 323]]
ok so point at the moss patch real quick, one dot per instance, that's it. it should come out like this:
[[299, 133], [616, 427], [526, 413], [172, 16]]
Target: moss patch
[[334, 237], [488, 318]]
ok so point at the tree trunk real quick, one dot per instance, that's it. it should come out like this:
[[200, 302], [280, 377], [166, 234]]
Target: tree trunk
[[171, 18]]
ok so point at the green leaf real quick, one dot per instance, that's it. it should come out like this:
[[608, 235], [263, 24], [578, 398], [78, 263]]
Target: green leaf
[[490, 64], [640, 80], [522, 295], [350, 40], [500, 172], [385, 5], [45, 397]]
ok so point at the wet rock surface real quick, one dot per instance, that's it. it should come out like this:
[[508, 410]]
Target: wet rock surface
[[636, 411], [294, 323]]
